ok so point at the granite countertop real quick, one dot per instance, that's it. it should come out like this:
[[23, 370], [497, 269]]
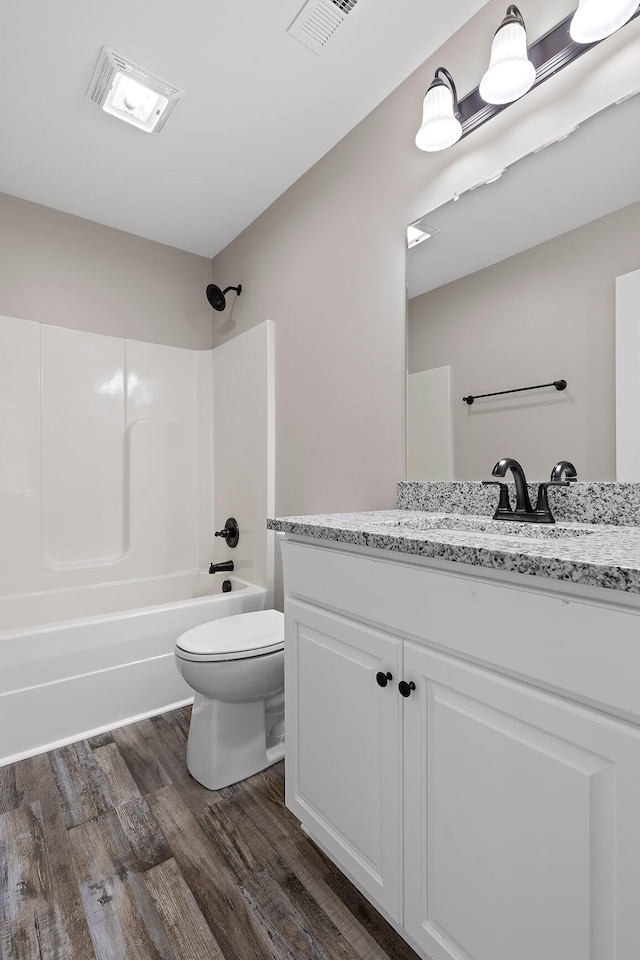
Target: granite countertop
[[594, 554]]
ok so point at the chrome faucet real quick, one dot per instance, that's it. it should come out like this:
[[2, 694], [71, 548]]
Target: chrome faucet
[[562, 474]]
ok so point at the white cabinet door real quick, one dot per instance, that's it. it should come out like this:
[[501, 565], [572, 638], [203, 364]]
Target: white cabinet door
[[343, 745], [522, 816]]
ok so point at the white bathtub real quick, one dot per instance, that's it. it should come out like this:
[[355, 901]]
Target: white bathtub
[[77, 662]]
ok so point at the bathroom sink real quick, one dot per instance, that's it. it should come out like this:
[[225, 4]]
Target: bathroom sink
[[424, 522]]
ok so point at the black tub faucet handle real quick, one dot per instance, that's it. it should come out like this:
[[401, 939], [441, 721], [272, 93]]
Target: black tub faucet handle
[[230, 533]]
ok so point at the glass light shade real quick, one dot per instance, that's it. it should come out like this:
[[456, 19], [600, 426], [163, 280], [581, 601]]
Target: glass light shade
[[596, 19], [440, 128], [510, 73]]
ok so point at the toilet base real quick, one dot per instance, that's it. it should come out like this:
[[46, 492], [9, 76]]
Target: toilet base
[[227, 742]]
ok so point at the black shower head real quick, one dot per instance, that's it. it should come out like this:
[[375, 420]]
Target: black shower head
[[216, 296]]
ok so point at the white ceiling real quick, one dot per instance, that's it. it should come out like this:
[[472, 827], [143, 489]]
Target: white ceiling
[[572, 182], [260, 109]]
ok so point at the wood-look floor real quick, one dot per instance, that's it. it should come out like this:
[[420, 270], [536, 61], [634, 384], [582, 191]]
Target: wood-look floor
[[109, 850]]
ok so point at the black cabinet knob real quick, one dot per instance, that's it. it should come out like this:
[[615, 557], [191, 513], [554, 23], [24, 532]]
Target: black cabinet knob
[[382, 679], [406, 688]]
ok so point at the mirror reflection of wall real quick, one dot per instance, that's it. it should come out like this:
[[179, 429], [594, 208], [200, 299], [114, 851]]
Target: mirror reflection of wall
[[517, 288]]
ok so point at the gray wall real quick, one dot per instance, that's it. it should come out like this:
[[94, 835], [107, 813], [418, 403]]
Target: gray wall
[[543, 315], [326, 262], [70, 272]]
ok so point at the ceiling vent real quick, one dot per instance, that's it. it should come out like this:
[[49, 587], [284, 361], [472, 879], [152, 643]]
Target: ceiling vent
[[318, 21]]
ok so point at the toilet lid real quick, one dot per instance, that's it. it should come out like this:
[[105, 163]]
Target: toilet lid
[[234, 638]]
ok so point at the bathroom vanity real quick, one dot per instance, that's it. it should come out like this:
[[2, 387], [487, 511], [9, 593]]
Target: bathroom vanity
[[463, 723]]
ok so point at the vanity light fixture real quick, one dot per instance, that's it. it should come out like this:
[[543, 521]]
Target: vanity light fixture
[[440, 126], [510, 73], [131, 93], [596, 19], [546, 57]]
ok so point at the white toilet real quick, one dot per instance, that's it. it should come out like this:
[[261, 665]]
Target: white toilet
[[236, 667]]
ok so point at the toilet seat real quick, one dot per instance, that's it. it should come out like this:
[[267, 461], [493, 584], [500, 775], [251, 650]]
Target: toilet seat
[[240, 637]]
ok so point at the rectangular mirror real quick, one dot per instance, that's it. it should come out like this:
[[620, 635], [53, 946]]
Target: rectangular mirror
[[517, 287]]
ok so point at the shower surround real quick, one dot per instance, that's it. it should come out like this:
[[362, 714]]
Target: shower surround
[[110, 473], [106, 466]]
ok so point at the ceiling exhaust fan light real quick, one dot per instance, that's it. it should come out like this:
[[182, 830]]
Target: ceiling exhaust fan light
[[131, 93], [596, 19], [440, 126], [134, 103], [510, 73]]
